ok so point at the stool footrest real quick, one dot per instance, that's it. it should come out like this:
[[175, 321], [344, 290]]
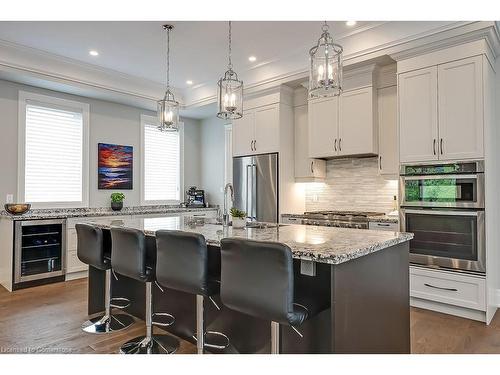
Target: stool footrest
[[120, 303], [168, 323], [215, 336]]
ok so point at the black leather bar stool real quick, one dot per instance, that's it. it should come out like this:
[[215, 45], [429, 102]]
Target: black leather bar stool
[[257, 279], [182, 264], [129, 257], [91, 251]]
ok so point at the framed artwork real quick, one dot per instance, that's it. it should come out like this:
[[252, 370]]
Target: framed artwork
[[115, 167]]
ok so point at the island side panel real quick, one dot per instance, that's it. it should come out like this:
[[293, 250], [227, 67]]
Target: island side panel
[[371, 303]]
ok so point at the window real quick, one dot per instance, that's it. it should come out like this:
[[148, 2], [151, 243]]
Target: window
[[53, 151], [161, 163]]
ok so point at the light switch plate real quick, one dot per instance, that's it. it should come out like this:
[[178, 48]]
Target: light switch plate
[[9, 198]]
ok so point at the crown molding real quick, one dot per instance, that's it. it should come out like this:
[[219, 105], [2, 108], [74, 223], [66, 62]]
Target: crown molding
[[16, 58]]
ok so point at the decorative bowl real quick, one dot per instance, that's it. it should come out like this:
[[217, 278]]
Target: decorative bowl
[[17, 208]]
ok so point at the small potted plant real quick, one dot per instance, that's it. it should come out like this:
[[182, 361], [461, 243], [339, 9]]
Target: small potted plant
[[117, 201], [239, 218]]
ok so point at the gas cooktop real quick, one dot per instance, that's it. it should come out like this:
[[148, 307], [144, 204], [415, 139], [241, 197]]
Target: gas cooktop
[[342, 219]]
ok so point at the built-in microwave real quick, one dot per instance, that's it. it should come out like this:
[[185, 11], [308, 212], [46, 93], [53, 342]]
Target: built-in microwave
[[443, 206], [459, 185]]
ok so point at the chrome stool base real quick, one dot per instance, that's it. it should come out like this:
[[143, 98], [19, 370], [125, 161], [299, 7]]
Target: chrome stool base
[[157, 344], [214, 340], [106, 324]]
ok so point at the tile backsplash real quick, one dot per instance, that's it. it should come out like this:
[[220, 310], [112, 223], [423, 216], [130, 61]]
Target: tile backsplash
[[352, 184]]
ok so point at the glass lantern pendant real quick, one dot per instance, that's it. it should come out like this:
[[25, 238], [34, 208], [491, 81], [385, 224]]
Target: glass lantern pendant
[[325, 73], [230, 92], [168, 107]]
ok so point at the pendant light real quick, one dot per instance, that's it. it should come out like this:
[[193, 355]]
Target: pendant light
[[230, 92], [168, 107], [325, 72]]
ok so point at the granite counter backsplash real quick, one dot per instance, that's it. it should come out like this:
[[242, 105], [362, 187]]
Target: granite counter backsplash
[[62, 213]]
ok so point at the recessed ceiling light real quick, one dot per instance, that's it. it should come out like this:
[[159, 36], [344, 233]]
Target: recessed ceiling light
[[350, 23], [252, 58], [93, 52], [189, 82]]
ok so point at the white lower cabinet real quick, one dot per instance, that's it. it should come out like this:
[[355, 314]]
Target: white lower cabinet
[[447, 288]]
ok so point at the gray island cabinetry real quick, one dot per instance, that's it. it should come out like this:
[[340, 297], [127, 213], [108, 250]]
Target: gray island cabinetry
[[360, 277]]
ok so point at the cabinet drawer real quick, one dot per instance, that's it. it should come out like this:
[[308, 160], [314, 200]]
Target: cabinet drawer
[[448, 287], [73, 264], [393, 227]]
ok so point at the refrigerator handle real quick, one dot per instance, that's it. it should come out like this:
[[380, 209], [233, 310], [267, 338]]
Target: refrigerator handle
[[249, 214], [254, 192]]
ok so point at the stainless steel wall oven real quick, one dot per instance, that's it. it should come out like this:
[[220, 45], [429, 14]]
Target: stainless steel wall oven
[[443, 205]]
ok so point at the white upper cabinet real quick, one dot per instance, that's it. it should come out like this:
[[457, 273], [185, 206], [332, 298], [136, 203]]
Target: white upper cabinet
[[306, 168], [460, 102], [267, 129], [345, 126], [441, 111], [244, 134], [358, 123], [323, 127], [257, 132], [418, 130], [388, 160]]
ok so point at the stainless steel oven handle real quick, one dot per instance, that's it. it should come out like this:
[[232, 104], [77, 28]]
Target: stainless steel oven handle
[[440, 212], [441, 288], [440, 177]]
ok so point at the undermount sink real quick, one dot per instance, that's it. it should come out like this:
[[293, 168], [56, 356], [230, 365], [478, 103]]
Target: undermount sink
[[256, 225]]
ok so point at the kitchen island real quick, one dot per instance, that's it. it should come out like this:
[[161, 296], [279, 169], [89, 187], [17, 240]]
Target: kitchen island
[[360, 277]]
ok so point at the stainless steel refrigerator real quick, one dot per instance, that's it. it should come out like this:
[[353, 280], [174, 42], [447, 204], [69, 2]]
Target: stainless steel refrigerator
[[255, 181]]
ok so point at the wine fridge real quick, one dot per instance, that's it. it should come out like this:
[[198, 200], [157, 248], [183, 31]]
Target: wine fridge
[[39, 250]]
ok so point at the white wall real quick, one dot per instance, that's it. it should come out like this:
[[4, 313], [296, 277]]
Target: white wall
[[109, 123], [212, 159]]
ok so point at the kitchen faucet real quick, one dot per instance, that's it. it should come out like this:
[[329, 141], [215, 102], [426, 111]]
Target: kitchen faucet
[[225, 215]]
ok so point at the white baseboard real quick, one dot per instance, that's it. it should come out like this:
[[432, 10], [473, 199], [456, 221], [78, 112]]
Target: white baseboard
[[448, 309], [77, 275]]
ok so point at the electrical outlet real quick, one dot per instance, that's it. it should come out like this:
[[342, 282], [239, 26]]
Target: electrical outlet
[[315, 198], [9, 198]]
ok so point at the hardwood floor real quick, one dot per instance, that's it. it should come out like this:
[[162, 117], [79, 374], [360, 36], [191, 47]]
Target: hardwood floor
[[47, 319]]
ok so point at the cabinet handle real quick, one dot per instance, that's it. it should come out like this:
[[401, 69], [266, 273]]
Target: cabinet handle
[[255, 145], [335, 144], [441, 145], [312, 167], [380, 162], [340, 144], [434, 146], [441, 288], [252, 146]]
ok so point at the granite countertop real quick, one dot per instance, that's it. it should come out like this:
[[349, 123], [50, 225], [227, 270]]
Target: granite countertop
[[64, 213], [373, 219], [318, 244]]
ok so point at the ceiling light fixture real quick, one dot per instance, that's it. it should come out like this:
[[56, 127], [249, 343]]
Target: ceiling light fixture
[[168, 107], [93, 52], [252, 59], [351, 23], [230, 91], [189, 82], [325, 72]]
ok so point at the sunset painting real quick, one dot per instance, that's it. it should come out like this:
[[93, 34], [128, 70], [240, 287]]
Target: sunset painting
[[115, 166]]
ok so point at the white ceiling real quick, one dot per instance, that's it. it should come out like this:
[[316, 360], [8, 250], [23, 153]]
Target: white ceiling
[[130, 68], [198, 49]]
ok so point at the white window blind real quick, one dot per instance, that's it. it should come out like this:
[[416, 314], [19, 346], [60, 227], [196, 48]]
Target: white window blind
[[53, 154], [161, 164]]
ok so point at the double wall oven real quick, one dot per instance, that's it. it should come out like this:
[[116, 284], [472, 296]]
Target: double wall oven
[[443, 205]]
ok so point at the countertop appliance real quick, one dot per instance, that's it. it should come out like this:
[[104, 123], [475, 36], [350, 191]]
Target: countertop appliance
[[39, 251], [195, 197], [255, 181], [443, 205], [340, 219]]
